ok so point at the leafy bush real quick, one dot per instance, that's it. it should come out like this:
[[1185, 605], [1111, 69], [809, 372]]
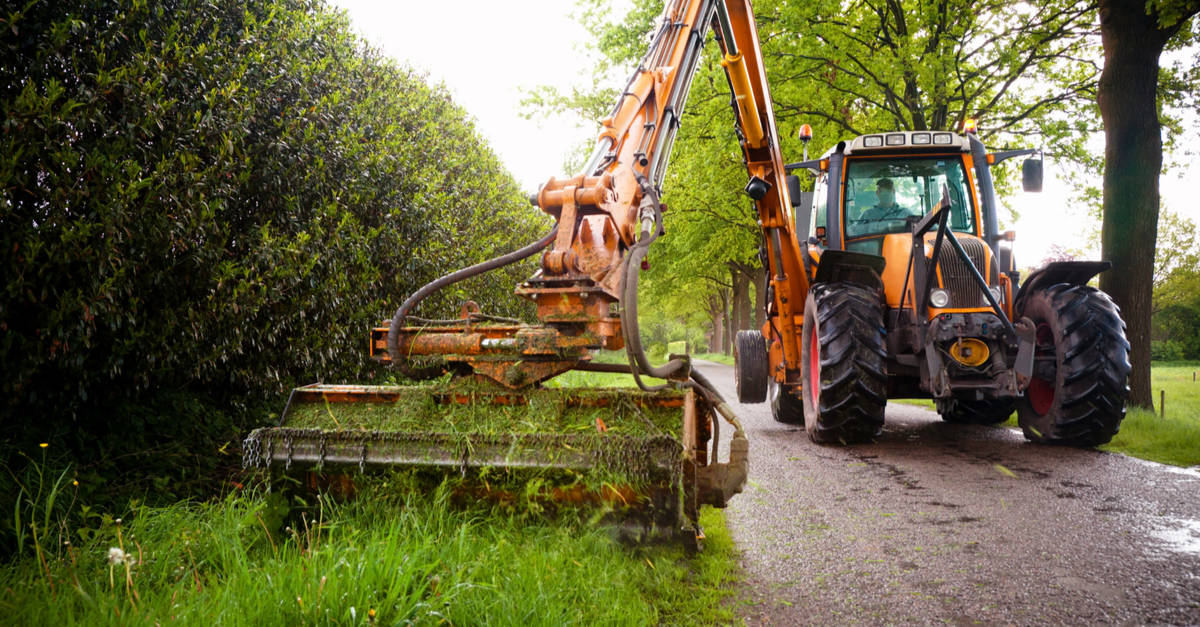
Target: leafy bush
[[217, 200], [1166, 350]]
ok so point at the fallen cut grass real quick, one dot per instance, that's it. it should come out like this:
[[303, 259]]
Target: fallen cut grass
[[392, 556]]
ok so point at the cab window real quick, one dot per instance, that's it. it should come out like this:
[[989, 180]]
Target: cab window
[[882, 194], [820, 202]]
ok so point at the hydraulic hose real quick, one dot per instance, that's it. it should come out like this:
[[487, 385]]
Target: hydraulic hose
[[639, 362], [393, 339]]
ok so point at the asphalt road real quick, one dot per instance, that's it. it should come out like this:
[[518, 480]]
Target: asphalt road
[[942, 523]]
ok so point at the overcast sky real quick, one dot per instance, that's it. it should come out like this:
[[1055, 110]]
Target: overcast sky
[[486, 52]]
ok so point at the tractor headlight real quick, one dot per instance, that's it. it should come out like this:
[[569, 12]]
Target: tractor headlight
[[939, 298], [996, 293]]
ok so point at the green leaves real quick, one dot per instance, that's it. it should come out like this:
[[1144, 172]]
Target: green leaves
[[222, 197]]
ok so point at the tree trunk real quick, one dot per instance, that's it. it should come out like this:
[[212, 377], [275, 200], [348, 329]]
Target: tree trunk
[[741, 299], [1127, 96], [716, 312], [727, 322]]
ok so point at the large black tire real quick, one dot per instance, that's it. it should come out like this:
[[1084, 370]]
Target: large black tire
[[785, 407], [842, 364], [750, 366], [1081, 400], [991, 411]]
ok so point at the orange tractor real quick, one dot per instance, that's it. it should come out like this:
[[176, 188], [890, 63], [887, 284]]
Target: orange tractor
[[915, 294], [855, 315]]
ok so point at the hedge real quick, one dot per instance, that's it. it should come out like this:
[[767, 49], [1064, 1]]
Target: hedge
[[219, 199]]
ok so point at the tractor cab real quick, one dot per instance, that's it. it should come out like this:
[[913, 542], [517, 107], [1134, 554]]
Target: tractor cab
[[873, 193]]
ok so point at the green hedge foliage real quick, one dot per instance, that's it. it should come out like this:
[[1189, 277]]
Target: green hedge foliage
[[220, 197]]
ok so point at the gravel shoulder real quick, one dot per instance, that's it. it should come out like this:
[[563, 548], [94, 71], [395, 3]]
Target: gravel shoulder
[[942, 523]]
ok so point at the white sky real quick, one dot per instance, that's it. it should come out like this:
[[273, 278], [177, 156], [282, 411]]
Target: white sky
[[486, 52]]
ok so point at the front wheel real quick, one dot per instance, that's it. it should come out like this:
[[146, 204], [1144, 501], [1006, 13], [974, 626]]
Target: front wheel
[[1081, 367], [785, 407], [842, 364], [750, 366]]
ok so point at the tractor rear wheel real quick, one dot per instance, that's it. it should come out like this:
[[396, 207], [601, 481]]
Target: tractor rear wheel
[[1081, 367], [842, 363], [991, 411], [785, 407], [750, 366]]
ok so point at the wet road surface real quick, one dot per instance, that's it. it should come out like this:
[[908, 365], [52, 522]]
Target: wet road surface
[[942, 523]]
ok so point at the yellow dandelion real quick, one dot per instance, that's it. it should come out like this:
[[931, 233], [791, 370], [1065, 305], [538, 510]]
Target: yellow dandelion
[[44, 444]]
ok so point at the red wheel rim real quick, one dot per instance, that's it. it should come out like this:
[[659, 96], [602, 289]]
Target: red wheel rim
[[814, 366], [1041, 391]]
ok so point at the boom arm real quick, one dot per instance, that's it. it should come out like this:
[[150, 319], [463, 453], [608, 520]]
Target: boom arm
[[605, 210]]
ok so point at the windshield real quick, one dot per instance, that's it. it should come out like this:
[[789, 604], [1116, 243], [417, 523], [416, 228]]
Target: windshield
[[882, 193]]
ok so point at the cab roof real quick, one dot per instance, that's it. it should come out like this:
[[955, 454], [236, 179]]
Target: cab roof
[[902, 142]]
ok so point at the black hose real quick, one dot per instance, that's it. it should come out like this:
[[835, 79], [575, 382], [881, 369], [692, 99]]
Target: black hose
[[638, 361], [393, 339]]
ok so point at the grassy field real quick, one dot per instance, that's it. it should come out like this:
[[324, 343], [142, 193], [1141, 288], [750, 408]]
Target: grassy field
[[1175, 437], [394, 555], [1170, 439]]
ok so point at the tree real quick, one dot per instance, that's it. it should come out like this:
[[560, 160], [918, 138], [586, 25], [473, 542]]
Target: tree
[[1175, 321], [930, 64], [1178, 249], [1134, 34]]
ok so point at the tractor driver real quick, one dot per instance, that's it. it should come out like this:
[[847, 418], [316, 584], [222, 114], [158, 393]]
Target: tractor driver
[[885, 203]]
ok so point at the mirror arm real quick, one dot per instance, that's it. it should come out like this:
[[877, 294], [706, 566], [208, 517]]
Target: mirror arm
[[1004, 155], [813, 165]]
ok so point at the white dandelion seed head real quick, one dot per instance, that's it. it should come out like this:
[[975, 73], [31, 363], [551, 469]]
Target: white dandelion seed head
[[116, 556]]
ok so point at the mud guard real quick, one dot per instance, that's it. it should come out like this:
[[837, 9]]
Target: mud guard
[[848, 267], [1072, 272]]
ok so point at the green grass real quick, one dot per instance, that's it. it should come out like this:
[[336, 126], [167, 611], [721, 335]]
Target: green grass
[[720, 358], [405, 555], [1175, 438]]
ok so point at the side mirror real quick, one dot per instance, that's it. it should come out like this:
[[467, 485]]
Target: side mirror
[[1031, 174], [802, 203], [794, 193]]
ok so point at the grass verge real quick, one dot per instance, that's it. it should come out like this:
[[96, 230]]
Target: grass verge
[[1173, 438], [394, 555], [720, 358]]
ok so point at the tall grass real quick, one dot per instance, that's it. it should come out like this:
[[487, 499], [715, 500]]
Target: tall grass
[[1173, 438], [393, 555]]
